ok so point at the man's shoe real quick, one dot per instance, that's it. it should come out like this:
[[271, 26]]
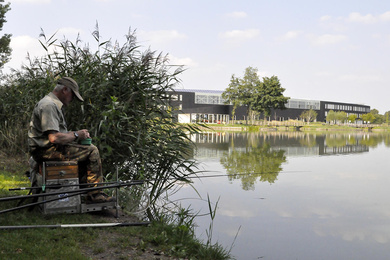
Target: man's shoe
[[100, 197]]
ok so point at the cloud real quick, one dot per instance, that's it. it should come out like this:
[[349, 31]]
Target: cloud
[[290, 35], [368, 18], [237, 15], [325, 18], [188, 62], [385, 16], [21, 46], [162, 36], [238, 36], [30, 1], [357, 17], [328, 39]]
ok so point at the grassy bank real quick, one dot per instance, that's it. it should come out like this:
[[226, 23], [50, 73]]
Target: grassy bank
[[156, 241]]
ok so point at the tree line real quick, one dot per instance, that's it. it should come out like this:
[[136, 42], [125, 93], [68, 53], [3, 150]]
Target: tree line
[[372, 117]]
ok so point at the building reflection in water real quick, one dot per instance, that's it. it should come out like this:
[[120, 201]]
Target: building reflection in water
[[252, 157], [213, 144]]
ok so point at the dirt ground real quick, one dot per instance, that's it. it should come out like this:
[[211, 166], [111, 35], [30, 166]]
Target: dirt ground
[[111, 244]]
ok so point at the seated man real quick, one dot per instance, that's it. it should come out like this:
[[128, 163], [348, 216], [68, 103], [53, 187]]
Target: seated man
[[49, 139]]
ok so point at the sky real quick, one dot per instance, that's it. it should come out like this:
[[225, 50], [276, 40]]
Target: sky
[[334, 50]]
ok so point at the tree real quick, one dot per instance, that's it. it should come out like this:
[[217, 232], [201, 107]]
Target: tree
[[269, 96], [341, 117], [231, 94], [255, 95], [378, 118], [309, 115], [240, 91], [387, 117], [5, 50], [331, 116], [368, 118], [352, 118]]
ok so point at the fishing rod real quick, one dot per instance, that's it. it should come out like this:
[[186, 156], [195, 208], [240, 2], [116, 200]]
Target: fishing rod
[[98, 225], [42, 202], [57, 186], [85, 190]]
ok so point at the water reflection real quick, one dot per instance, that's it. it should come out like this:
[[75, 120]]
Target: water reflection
[[328, 198], [255, 162], [260, 156]]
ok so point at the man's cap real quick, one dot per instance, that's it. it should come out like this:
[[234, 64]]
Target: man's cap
[[72, 84]]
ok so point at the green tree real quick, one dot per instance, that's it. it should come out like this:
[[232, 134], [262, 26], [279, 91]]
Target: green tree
[[5, 50], [387, 117], [352, 118], [378, 118], [309, 115], [240, 91], [341, 117], [255, 95], [331, 117], [368, 118], [269, 96], [232, 94]]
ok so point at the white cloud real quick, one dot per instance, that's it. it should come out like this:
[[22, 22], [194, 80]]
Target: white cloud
[[357, 17], [237, 14], [188, 62], [328, 39], [291, 35], [385, 16], [29, 1], [162, 36], [21, 46], [325, 18], [240, 35], [368, 18]]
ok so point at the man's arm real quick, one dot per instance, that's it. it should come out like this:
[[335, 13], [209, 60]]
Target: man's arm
[[65, 138]]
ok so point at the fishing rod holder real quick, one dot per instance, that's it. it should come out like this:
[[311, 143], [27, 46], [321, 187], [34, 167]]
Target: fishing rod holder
[[65, 173]]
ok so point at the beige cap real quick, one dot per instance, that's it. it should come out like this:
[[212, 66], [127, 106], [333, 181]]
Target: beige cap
[[72, 84]]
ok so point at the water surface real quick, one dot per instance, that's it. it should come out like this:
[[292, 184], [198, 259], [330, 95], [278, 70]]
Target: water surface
[[294, 195]]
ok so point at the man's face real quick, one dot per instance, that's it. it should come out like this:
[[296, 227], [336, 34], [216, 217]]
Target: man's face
[[68, 96]]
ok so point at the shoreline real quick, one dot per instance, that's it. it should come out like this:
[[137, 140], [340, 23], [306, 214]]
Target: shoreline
[[292, 128]]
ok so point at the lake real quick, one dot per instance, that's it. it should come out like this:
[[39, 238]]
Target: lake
[[294, 195]]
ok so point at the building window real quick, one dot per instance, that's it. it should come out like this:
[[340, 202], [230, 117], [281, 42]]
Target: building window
[[200, 99], [213, 100]]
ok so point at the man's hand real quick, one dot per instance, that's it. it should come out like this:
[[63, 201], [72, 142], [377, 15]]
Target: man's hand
[[83, 134], [65, 138]]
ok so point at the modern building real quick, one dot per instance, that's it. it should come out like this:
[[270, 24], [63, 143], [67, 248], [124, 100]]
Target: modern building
[[209, 106]]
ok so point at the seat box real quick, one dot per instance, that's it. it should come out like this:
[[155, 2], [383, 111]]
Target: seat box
[[63, 204], [60, 170]]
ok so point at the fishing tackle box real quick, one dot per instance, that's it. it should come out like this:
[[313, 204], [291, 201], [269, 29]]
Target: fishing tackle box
[[60, 173], [65, 173]]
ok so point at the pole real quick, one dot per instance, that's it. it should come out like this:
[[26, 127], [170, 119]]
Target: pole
[[58, 186], [98, 225], [42, 202], [85, 190]]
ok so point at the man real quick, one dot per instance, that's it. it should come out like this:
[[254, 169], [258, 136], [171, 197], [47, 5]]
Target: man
[[49, 139]]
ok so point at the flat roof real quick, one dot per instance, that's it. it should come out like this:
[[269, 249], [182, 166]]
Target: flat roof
[[207, 91]]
